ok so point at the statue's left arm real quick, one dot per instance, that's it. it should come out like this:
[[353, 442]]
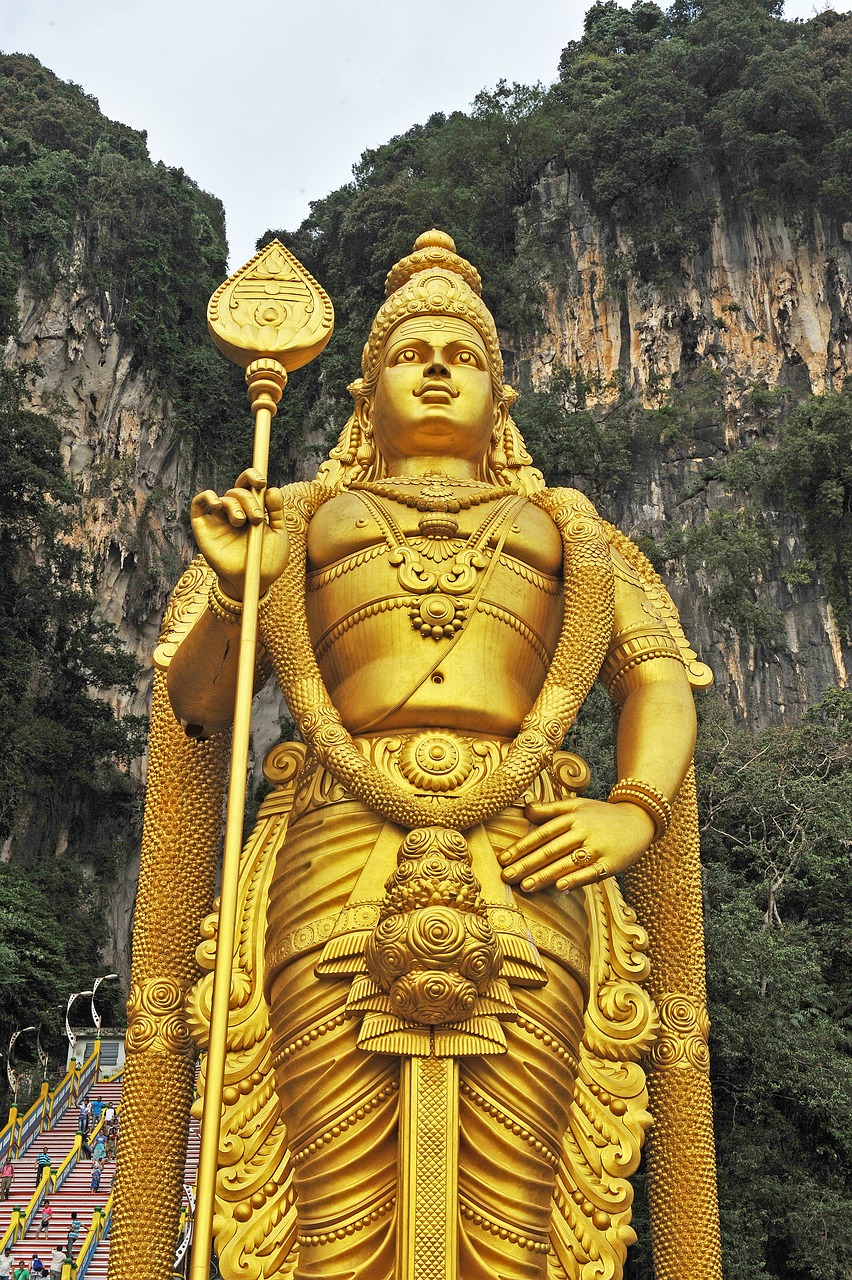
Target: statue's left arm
[[578, 841]]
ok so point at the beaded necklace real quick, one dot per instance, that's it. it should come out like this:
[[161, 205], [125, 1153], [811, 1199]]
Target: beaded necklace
[[437, 498]]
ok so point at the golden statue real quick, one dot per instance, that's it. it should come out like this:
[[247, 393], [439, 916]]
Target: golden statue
[[447, 1031]]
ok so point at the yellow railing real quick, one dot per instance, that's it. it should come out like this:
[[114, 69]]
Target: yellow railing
[[31, 1123], [21, 1219], [116, 1075], [10, 1235], [9, 1133], [73, 1156], [88, 1073]]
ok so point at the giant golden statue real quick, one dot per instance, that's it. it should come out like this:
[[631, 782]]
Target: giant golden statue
[[446, 1026]]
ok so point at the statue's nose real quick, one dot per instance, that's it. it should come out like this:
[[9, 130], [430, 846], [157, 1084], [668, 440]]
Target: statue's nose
[[437, 366]]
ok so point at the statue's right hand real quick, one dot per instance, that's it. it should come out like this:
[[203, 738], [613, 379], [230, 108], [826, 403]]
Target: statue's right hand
[[221, 525]]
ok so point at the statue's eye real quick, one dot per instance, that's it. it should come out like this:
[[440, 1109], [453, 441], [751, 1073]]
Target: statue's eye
[[407, 356], [467, 357]]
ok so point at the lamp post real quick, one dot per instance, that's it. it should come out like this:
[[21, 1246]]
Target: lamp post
[[72, 1039], [13, 1075], [96, 1017], [43, 1057]]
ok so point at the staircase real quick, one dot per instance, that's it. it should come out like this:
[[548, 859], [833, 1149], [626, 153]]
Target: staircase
[[75, 1193]]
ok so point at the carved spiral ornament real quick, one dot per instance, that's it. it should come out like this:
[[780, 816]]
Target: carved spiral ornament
[[684, 1028], [434, 950], [155, 1017]]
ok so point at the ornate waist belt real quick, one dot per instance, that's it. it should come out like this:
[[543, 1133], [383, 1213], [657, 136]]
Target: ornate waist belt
[[437, 764]]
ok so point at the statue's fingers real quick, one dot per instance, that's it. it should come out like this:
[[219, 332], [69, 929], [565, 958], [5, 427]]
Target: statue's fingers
[[533, 840], [251, 478], [554, 873], [531, 862], [577, 878], [549, 809], [275, 509], [564, 854], [205, 503], [248, 502]]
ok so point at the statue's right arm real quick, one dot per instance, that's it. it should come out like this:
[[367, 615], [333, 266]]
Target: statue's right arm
[[202, 674]]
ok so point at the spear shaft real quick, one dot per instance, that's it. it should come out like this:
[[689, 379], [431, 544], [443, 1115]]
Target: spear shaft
[[266, 380]]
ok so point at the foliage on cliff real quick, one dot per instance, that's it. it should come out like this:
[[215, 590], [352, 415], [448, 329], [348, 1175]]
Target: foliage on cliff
[[654, 110], [63, 771], [81, 201], [55, 649], [775, 810]]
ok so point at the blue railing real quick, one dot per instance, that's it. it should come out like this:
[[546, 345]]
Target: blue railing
[[88, 1072], [30, 1125], [61, 1099], [8, 1135], [101, 1223], [42, 1190]]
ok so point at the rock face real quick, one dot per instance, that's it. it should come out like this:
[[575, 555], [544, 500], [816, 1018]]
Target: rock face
[[766, 302]]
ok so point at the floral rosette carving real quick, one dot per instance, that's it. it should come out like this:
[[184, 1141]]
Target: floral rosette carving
[[436, 761], [684, 1028], [155, 1017], [433, 951]]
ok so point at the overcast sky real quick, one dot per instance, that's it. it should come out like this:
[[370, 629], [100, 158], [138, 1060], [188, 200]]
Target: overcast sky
[[268, 105]]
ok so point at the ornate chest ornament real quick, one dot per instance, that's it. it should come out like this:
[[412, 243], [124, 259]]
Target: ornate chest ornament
[[438, 612]]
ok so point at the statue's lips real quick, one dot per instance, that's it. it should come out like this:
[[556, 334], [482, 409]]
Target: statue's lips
[[436, 395]]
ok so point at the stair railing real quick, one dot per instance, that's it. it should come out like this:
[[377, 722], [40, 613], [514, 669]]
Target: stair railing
[[59, 1101], [9, 1134], [10, 1235], [31, 1124], [88, 1073], [28, 1216], [101, 1223], [71, 1160]]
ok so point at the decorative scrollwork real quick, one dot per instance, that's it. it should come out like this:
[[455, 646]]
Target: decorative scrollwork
[[434, 950]]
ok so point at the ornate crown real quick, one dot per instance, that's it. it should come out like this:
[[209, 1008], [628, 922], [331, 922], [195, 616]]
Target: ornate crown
[[433, 280]]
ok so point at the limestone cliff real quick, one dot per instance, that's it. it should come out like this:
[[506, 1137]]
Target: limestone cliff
[[769, 300], [767, 303]]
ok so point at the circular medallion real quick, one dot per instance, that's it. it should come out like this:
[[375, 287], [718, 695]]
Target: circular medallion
[[438, 616], [436, 761]]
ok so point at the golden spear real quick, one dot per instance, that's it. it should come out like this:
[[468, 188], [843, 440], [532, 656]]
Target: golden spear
[[270, 317]]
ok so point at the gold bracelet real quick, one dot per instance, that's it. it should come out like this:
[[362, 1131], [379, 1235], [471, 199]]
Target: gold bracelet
[[222, 606], [655, 804]]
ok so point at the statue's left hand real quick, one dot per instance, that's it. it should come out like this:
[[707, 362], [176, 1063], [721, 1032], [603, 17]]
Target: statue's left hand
[[577, 842]]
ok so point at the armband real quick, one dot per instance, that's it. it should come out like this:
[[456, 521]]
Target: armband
[[633, 648]]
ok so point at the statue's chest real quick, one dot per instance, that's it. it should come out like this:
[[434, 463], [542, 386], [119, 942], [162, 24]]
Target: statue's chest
[[373, 569], [349, 532]]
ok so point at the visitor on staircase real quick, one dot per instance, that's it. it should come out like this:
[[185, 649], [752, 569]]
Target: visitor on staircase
[[42, 1163], [73, 1232], [46, 1215]]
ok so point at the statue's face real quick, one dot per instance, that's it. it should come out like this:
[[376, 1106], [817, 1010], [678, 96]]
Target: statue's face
[[434, 395]]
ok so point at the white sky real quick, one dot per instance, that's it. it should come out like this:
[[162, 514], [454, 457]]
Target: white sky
[[268, 105]]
